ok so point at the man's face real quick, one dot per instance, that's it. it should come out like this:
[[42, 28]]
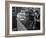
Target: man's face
[[22, 16]]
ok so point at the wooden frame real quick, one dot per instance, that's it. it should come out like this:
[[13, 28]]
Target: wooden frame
[[7, 19]]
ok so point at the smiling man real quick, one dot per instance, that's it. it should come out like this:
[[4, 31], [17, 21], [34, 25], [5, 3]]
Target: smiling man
[[27, 18]]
